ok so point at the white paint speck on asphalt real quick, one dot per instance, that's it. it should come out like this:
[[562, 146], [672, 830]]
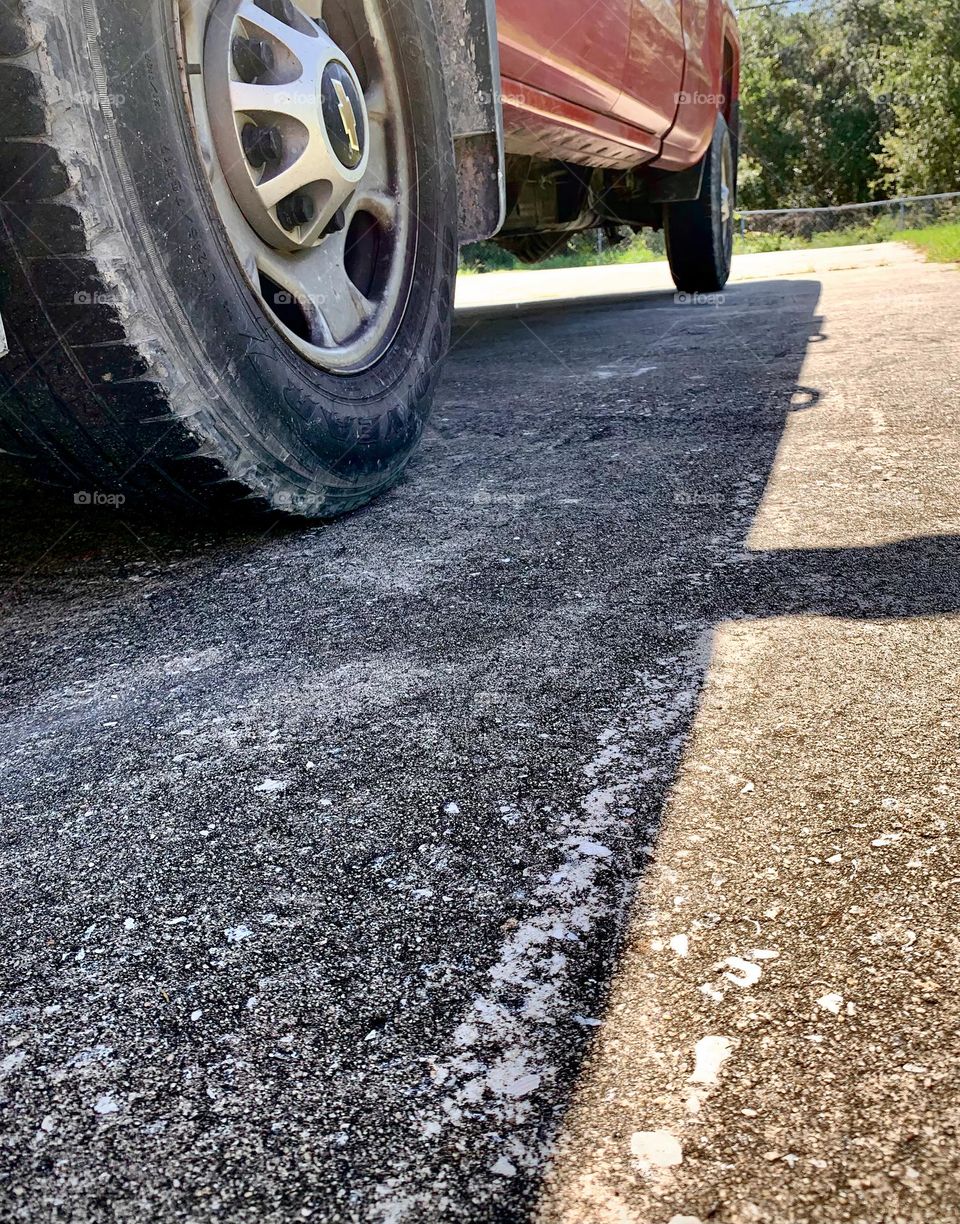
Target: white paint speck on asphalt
[[740, 972], [572, 899], [655, 1150], [12, 1062], [710, 1054]]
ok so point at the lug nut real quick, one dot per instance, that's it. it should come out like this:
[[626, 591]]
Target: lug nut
[[262, 144], [337, 222], [296, 209], [253, 58], [281, 9]]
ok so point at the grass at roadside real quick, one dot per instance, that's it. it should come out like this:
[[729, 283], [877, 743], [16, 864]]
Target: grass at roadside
[[940, 243], [580, 252], [755, 242]]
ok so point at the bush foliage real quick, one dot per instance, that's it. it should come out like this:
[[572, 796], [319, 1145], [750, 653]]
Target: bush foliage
[[849, 101]]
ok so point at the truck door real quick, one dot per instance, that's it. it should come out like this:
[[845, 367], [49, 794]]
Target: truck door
[[569, 48], [653, 76]]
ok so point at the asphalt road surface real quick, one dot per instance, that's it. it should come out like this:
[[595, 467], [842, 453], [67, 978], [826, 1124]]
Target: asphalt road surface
[[569, 837]]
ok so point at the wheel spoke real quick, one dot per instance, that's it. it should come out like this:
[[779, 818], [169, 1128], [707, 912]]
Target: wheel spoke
[[375, 28], [306, 274], [377, 174], [310, 167], [380, 204], [294, 100], [305, 47], [378, 108], [318, 281], [341, 305], [344, 310], [374, 192]]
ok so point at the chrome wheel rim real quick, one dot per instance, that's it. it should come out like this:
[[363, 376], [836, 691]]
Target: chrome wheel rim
[[726, 184], [298, 115]]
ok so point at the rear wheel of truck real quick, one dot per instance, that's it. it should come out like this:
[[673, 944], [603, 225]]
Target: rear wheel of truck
[[699, 233], [229, 247]]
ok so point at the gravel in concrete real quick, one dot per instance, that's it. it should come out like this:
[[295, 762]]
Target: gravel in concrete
[[568, 836]]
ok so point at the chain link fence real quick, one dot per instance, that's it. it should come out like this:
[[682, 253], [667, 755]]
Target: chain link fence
[[879, 219]]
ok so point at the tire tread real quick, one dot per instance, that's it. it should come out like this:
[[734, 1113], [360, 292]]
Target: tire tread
[[80, 406]]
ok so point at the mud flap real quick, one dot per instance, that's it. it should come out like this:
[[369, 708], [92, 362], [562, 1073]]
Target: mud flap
[[471, 65]]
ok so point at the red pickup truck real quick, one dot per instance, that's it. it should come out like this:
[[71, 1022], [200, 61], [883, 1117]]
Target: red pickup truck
[[230, 227]]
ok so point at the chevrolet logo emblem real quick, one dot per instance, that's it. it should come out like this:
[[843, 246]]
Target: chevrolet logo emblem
[[348, 116]]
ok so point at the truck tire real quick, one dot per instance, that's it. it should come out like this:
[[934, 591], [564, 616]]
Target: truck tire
[[228, 248], [699, 233]]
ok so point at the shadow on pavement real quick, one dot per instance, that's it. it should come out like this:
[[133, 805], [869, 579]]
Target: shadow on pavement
[[332, 776]]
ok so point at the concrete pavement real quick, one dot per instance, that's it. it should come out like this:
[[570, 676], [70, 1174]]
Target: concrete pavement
[[569, 836], [618, 281]]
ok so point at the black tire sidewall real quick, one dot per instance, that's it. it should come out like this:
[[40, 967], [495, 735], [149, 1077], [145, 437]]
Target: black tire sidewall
[[359, 428], [699, 245]]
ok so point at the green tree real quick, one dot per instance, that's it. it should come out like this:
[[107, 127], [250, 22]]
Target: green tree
[[850, 100], [811, 121], [918, 78]]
